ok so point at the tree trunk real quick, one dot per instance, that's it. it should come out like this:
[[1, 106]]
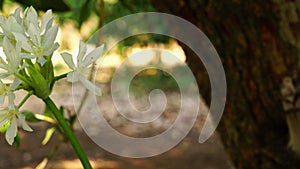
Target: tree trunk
[[259, 45]]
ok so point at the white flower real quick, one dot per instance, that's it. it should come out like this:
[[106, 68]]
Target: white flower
[[10, 25], [5, 90], [8, 90], [13, 58], [81, 68], [13, 116], [39, 40]]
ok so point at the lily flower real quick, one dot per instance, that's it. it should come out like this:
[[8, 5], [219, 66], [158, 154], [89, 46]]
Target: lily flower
[[82, 66], [39, 39], [8, 90], [10, 25], [13, 58], [12, 116]]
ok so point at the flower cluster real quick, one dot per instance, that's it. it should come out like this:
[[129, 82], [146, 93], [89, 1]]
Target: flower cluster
[[28, 44], [81, 68]]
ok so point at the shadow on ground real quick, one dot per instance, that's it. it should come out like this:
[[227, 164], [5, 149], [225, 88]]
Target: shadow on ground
[[189, 154]]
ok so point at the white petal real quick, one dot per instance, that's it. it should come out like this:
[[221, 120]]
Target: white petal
[[46, 18], [4, 75], [23, 122], [49, 24], [48, 52], [12, 25], [81, 52], [26, 56], [24, 41], [34, 33], [3, 116], [11, 99], [31, 16], [11, 132], [3, 64], [16, 15], [68, 60], [41, 60], [15, 84], [91, 86], [18, 48], [49, 37], [3, 120], [73, 76], [2, 61], [8, 48], [93, 56], [24, 65]]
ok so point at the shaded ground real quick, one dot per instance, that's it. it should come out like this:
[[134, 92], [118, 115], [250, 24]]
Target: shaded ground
[[189, 154]]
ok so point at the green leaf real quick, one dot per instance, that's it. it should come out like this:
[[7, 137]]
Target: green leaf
[[30, 117], [48, 135], [39, 84], [47, 71], [17, 141]]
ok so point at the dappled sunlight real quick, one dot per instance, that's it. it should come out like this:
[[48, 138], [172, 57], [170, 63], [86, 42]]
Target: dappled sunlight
[[76, 164], [110, 60], [170, 54], [141, 55]]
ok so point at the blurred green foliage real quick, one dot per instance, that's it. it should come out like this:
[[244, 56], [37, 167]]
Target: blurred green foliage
[[55, 5], [118, 8], [142, 40], [1, 4], [81, 10], [144, 83], [149, 79]]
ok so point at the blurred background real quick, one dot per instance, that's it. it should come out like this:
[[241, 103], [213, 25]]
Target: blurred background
[[259, 45], [78, 20]]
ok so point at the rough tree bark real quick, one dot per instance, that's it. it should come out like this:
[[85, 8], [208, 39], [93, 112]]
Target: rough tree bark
[[259, 45]]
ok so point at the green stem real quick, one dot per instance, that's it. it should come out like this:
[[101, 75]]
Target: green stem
[[56, 78], [25, 99], [23, 79], [70, 134]]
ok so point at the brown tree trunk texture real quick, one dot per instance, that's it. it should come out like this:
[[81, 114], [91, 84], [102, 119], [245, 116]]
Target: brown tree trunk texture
[[258, 42]]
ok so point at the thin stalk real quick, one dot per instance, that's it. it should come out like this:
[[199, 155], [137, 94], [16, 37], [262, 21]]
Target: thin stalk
[[25, 99], [93, 69], [69, 133], [22, 78]]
